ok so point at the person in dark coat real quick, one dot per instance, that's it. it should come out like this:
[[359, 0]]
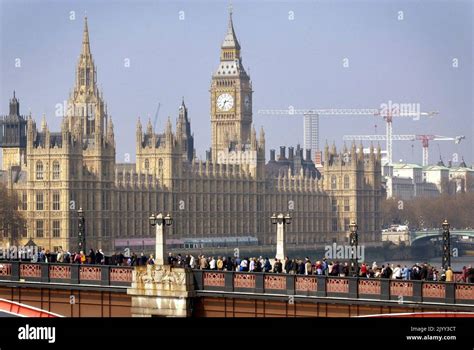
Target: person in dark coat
[[133, 259], [98, 257], [267, 267], [287, 266], [120, 259], [229, 264], [277, 266], [91, 257], [143, 259], [300, 267]]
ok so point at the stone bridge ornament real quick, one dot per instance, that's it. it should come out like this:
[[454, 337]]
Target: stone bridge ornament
[[161, 290], [160, 275]]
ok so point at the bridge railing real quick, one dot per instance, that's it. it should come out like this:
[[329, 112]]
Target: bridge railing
[[256, 283], [101, 275], [338, 287]]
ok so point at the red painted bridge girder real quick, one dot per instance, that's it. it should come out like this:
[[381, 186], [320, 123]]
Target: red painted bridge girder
[[23, 310]]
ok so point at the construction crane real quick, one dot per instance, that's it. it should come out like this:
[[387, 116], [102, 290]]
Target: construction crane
[[156, 116], [311, 120], [425, 139]]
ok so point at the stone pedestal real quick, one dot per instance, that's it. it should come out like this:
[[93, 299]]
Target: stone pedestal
[[281, 245], [161, 290]]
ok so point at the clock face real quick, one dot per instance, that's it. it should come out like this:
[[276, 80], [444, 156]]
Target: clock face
[[225, 102], [247, 102]]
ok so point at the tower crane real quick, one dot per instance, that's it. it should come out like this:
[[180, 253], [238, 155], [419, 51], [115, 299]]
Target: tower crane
[[156, 116], [311, 120], [425, 139]]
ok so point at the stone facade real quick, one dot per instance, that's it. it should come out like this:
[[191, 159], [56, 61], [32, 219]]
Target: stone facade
[[229, 195]]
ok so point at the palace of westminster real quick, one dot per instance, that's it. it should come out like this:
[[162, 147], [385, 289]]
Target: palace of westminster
[[231, 194]]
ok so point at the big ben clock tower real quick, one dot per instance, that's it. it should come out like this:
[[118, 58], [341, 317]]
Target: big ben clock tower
[[231, 98]]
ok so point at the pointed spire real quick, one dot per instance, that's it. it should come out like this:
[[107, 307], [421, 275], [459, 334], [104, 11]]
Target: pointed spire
[[110, 127], [361, 151], [139, 124], [261, 139], [440, 162], [14, 106], [64, 125], [253, 138], [149, 127], [86, 50], [169, 128], [44, 125], [230, 40]]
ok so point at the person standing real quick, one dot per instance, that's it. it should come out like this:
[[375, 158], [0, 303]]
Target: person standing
[[449, 275], [151, 260]]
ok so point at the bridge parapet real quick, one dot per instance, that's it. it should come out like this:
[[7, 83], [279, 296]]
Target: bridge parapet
[[102, 275], [169, 282], [334, 287]]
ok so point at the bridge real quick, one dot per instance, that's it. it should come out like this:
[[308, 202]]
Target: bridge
[[107, 291], [419, 236]]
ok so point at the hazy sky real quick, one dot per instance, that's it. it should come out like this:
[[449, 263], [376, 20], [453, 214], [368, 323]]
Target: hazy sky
[[403, 51]]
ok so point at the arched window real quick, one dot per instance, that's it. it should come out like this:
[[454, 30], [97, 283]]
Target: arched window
[[333, 182], [147, 164], [160, 166], [39, 170], [346, 182], [56, 170]]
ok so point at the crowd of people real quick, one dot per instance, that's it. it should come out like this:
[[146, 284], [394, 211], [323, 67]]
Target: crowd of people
[[305, 266], [422, 271]]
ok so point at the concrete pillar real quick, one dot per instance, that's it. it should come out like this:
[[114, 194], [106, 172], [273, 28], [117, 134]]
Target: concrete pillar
[[160, 244], [161, 290], [281, 246]]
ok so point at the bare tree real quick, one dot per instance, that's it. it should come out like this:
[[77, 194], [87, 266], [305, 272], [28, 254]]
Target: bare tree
[[11, 220], [429, 212]]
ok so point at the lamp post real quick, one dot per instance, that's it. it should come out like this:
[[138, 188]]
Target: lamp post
[[446, 244], [81, 237], [354, 241], [160, 244], [281, 220]]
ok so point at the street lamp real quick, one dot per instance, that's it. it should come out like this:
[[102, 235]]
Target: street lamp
[[160, 244], [280, 220], [446, 244], [354, 241], [81, 239]]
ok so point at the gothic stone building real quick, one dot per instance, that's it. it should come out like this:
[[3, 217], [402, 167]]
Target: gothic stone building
[[231, 194]]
